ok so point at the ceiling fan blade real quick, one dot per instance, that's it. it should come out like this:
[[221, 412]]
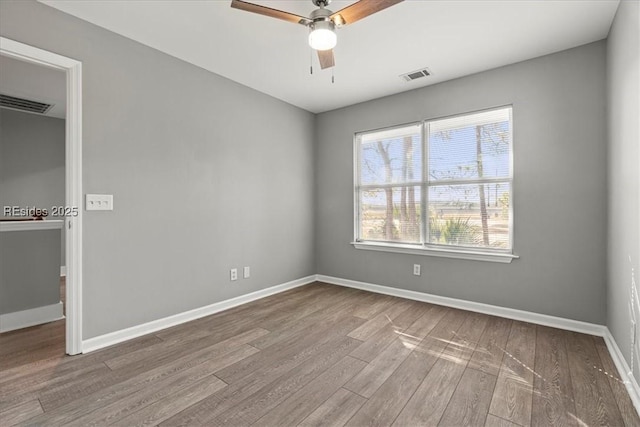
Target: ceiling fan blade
[[359, 10], [326, 58], [267, 11]]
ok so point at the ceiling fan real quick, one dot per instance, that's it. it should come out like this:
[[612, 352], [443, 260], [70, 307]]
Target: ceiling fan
[[322, 23]]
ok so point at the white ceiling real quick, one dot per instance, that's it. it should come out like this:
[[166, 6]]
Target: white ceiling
[[35, 83], [451, 38]]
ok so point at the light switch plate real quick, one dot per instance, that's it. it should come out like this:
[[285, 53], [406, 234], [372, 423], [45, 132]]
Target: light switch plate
[[99, 202]]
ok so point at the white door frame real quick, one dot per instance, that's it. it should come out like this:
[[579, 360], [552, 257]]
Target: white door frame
[[73, 181]]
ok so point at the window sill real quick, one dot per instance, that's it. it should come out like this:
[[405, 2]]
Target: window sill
[[437, 252]]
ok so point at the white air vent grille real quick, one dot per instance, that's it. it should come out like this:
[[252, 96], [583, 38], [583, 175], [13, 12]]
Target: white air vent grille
[[22, 104], [414, 75]]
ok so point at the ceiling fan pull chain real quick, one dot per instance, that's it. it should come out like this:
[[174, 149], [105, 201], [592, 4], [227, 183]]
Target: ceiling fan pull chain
[[311, 60], [333, 77]]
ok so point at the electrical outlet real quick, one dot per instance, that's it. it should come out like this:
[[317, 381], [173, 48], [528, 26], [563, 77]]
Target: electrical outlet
[[246, 273], [416, 269], [234, 274]]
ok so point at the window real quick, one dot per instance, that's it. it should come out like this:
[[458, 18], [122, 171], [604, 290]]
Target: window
[[440, 187]]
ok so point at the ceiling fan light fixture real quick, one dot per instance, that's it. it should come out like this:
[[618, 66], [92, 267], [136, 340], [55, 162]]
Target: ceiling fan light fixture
[[322, 22], [323, 35]]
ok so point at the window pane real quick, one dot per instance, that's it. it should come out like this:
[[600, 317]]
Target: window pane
[[473, 146], [470, 215], [390, 214], [391, 156]]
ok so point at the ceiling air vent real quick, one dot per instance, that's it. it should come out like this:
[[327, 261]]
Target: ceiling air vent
[[22, 104], [414, 75]]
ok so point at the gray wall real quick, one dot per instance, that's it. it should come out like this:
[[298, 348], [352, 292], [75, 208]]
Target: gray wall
[[206, 175], [29, 275], [31, 159], [32, 151], [559, 155], [623, 77]]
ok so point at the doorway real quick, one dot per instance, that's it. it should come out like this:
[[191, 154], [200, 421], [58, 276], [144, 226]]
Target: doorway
[[72, 225]]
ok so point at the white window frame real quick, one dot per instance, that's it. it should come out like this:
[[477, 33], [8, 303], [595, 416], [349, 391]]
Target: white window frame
[[426, 248]]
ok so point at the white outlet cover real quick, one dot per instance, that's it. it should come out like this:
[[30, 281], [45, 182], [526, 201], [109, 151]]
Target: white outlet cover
[[246, 273], [416, 269], [99, 202]]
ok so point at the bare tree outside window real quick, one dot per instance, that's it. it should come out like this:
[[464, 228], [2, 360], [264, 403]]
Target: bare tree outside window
[[465, 182], [390, 197]]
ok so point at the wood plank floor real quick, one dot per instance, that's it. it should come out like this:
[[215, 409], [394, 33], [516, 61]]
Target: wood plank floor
[[319, 355]]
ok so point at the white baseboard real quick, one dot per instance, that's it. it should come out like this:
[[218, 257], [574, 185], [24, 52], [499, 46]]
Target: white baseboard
[[31, 317], [63, 271], [112, 338], [116, 337], [623, 369], [526, 316], [494, 310]]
